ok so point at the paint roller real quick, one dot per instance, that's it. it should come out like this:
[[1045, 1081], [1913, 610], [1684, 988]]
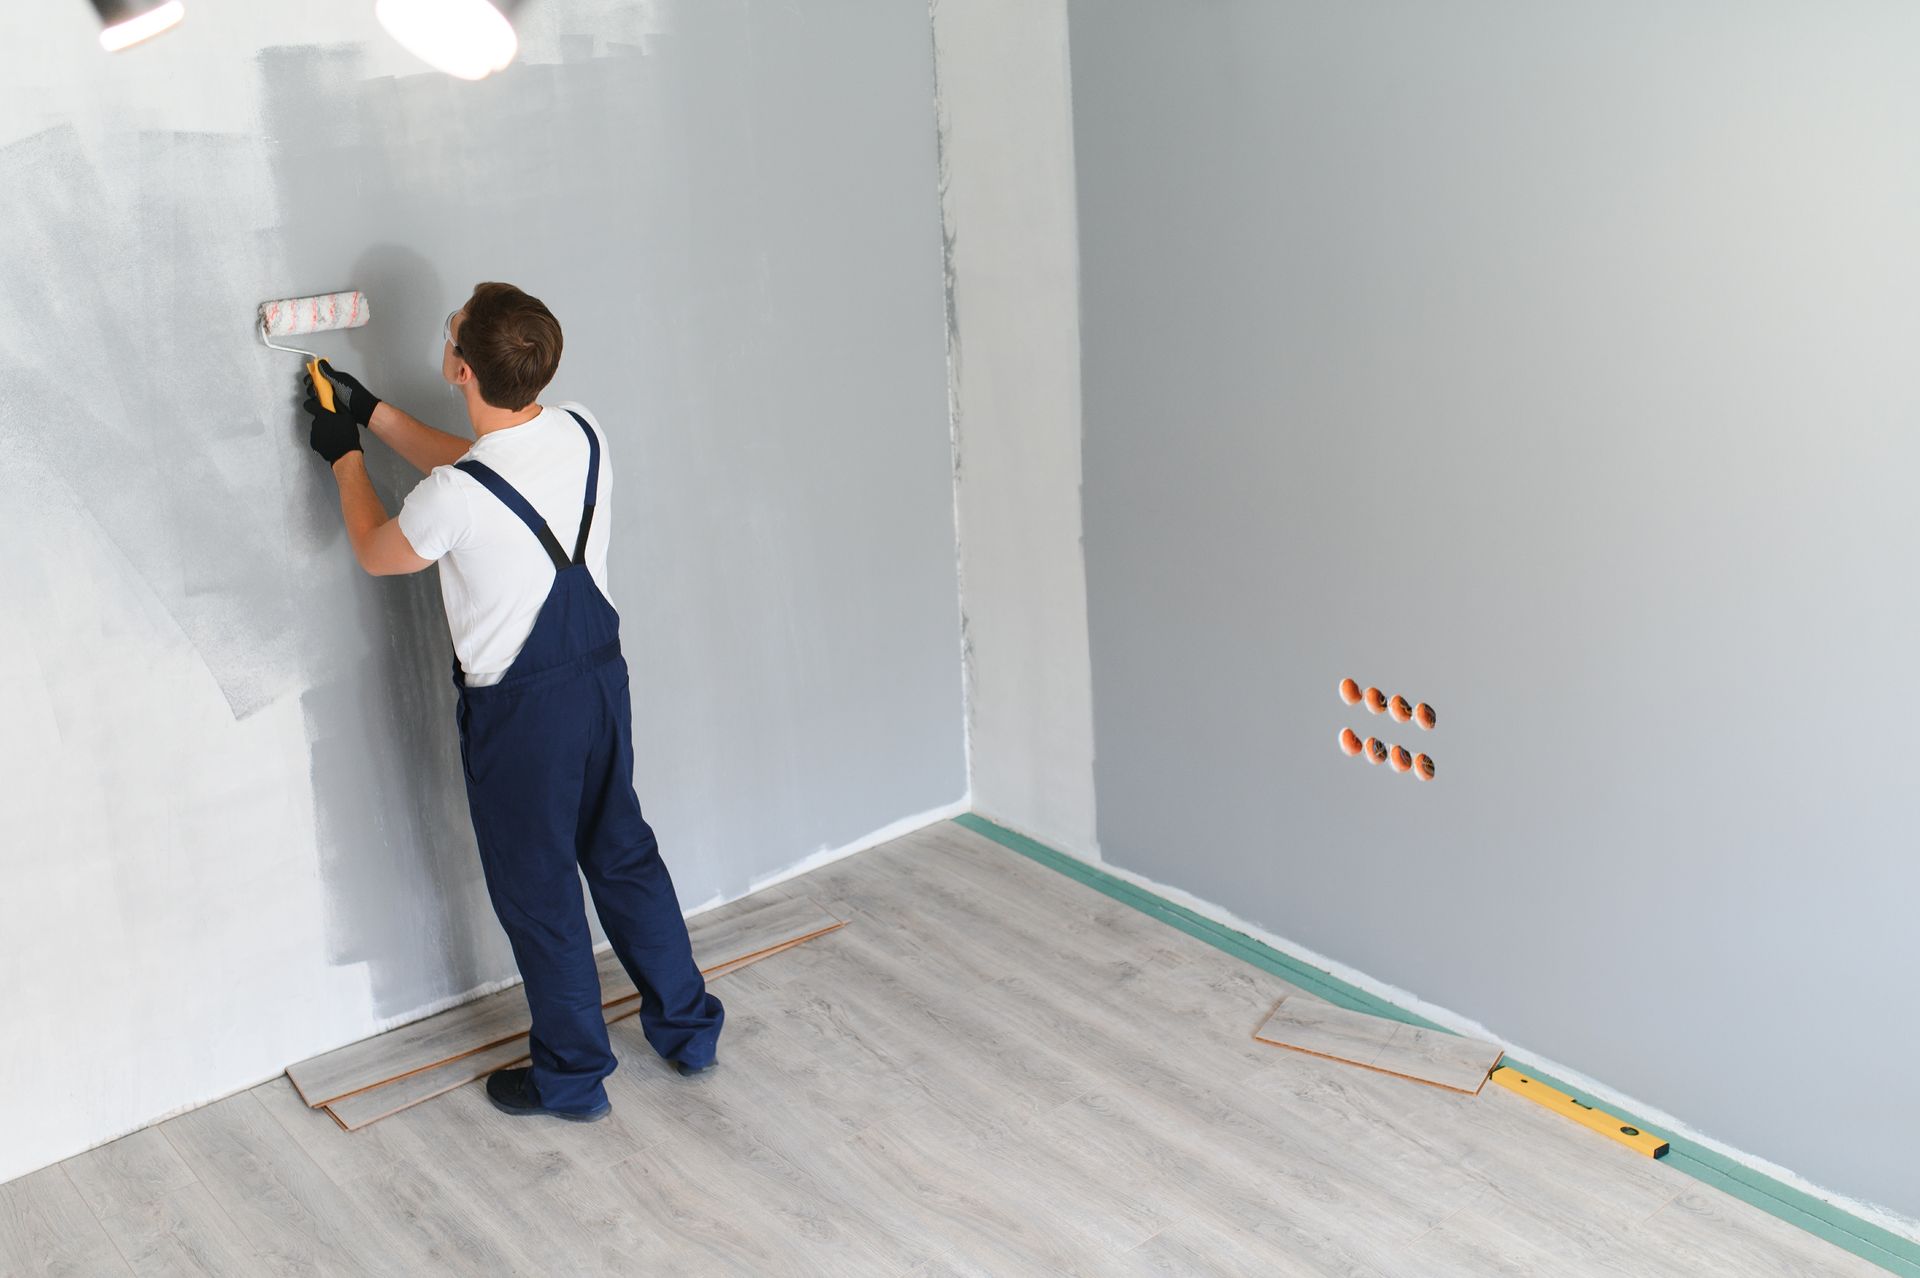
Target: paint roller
[[299, 316]]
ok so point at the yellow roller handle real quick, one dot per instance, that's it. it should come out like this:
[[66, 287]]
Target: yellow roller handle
[[322, 388]]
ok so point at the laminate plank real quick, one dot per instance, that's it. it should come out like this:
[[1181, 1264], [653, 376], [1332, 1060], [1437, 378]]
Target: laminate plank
[[943, 1105], [46, 1229], [814, 1226], [940, 882], [1546, 1223], [362, 1109], [435, 1208], [1541, 1166], [957, 1100], [910, 1016], [183, 1233], [470, 1027], [950, 1266], [695, 1231], [557, 1192], [518, 1171], [948, 872], [317, 1133], [128, 1174], [1282, 1196], [925, 916], [1465, 1247], [721, 939], [1438, 1057], [1325, 1030], [779, 1162], [843, 1084], [1703, 1230], [946, 936], [996, 1215], [1305, 1024], [1035, 903], [1199, 1249], [447, 1225], [282, 1203]]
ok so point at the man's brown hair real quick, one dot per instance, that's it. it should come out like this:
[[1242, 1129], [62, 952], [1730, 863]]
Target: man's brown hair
[[511, 342]]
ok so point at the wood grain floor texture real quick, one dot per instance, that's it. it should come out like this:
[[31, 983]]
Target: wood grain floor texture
[[992, 1071]]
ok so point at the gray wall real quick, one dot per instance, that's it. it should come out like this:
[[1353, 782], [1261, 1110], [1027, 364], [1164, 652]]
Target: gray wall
[[234, 828], [1556, 365]]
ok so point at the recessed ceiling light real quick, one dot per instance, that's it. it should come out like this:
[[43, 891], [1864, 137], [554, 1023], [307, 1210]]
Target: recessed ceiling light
[[470, 39], [124, 23]]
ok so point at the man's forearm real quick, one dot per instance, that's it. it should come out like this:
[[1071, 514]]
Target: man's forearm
[[421, 445], [360, 507]]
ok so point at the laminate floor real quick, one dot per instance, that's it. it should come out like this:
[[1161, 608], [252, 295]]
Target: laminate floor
[[992, 1071]]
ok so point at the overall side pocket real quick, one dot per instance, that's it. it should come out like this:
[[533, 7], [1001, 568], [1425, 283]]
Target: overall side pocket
[[462, 714]]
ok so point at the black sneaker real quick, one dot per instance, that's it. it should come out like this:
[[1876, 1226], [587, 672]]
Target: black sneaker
[[690, 1070], [511, 1091]]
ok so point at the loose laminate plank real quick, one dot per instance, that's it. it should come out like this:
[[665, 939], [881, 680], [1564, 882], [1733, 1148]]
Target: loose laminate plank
[[501, 1017], [372, 1104], [1392, 1047]]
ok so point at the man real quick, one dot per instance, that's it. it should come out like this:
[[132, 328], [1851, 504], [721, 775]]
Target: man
[[546, 734]]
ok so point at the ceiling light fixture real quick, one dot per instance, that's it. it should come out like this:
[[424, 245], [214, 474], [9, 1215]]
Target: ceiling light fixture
[[125, 23], [470, 39]]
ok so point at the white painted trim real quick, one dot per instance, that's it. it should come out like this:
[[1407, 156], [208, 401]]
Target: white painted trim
[[1887, 1219]]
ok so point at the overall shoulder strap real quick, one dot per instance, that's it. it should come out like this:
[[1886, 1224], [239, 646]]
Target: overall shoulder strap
[[593, 487], [512, 500]]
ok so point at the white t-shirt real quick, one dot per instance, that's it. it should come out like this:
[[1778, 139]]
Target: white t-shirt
[[494, 574]]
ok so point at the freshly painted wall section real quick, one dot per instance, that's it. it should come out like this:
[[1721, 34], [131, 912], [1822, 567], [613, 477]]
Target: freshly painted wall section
[[1007, 188], [1555, 366], [235, 832]]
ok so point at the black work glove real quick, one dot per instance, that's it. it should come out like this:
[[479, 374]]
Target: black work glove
[[334, 433], [348, 394]]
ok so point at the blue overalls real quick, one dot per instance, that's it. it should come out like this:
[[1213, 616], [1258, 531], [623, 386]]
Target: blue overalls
[[548, 753]]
